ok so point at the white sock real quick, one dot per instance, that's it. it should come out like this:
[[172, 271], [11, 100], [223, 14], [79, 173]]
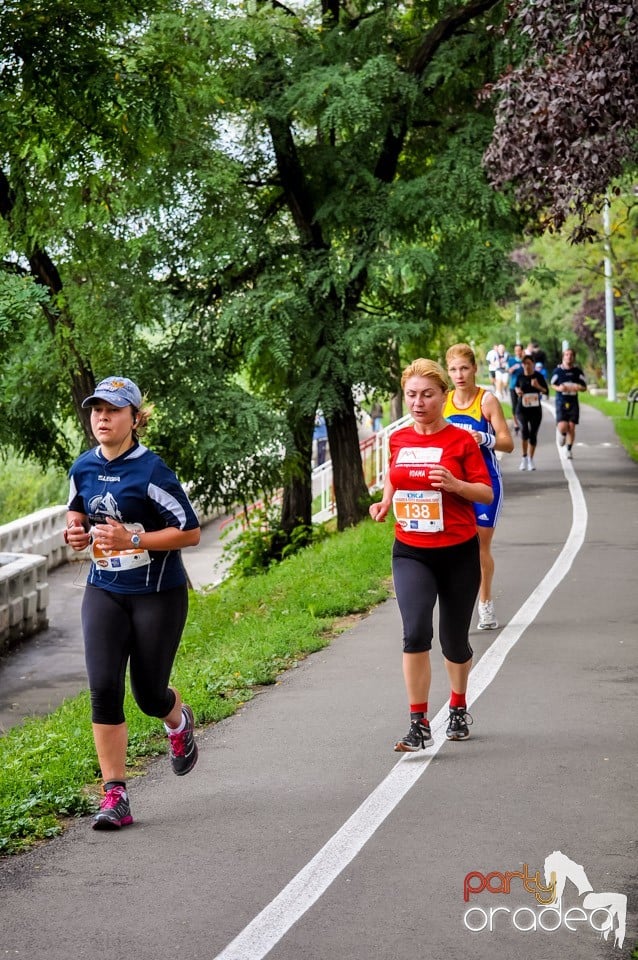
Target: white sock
[[176, 729]]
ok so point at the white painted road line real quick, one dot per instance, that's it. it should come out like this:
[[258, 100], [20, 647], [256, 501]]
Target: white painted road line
[[259, 937]]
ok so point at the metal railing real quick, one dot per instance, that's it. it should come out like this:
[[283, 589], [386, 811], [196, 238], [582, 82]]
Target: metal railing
[[374, 458]]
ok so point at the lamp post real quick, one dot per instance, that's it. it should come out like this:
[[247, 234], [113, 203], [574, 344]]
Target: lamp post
[[609, 307]]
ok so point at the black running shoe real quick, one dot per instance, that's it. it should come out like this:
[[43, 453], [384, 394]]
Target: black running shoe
[[115, 810], [183, 747], [418, 737], [457, 727]]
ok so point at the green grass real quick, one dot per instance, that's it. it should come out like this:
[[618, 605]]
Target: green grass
[[626, 428], [25, 487], [239, 637]]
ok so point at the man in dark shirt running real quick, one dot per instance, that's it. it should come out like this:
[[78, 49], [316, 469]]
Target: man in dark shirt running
[[568, 381]]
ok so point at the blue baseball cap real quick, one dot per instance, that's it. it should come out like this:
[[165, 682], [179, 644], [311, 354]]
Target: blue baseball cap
[[118, 391]]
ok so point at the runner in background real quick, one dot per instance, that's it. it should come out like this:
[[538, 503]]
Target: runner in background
[[515, 368], [492, 359], [320, 437], [531, 387], [376, 416], [436, 474], [478, 410], [568, 381], [538, 355], [501, 379]]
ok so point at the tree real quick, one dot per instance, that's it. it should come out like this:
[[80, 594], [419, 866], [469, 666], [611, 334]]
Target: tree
[[63, 111], [94, 102], [275, 202], [567, 113], [563, 295], [354, 143]]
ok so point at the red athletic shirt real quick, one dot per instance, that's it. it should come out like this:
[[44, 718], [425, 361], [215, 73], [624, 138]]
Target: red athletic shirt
[[454, 448]]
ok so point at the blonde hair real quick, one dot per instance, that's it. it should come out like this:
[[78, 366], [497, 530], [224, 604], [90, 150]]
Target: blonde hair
[[142, 417], [463, 350], [426, 368]]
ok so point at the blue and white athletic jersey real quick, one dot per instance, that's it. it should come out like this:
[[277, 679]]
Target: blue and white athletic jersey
[[473, 418], [136, 487], [563, 375], [515, 370]]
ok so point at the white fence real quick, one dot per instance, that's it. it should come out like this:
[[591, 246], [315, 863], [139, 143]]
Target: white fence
[[374, 457], [40, 532], [29, 548], [24, 596]]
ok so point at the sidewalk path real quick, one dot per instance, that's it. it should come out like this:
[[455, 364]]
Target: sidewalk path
[[49, 667], [243, 859]]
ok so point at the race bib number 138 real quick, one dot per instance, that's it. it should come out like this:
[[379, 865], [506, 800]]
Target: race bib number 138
[[419, 511]]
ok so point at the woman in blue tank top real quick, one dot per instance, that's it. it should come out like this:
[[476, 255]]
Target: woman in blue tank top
[[475, 409]]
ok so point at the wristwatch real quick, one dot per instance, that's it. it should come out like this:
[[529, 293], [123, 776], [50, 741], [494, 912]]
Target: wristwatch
[[136, 540]]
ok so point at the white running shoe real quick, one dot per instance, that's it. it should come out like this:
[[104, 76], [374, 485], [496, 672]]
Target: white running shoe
[[523, 465], [487, 620], [562, 438], [530, 464]]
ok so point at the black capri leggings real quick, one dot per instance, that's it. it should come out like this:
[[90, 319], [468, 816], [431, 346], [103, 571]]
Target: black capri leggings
[[529, 419], [451, 574], [143, 629]]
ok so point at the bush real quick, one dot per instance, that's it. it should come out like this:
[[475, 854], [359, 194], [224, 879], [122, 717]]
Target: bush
[[25, 487], [263, 542]]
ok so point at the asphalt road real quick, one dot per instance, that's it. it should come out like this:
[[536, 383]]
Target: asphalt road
[[301, 835]]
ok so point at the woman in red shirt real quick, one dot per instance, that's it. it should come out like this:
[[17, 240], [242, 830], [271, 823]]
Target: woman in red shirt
[[436, 473]]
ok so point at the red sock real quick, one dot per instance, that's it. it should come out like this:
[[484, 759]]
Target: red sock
[[418, 708], [457, 699]]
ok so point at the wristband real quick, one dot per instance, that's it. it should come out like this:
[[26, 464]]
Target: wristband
[[487, 440]]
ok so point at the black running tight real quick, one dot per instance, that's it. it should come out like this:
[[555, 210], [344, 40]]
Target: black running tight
[[450, 574], [529, 419], [141, 629]]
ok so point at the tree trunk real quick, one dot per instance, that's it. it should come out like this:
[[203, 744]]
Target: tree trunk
[[396, 407], [296, 509], [82, 386], [396, 401], [351, 492], [78, 369]]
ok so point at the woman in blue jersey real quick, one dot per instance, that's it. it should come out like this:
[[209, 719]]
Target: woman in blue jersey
[[128, 508], [477, 410]]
